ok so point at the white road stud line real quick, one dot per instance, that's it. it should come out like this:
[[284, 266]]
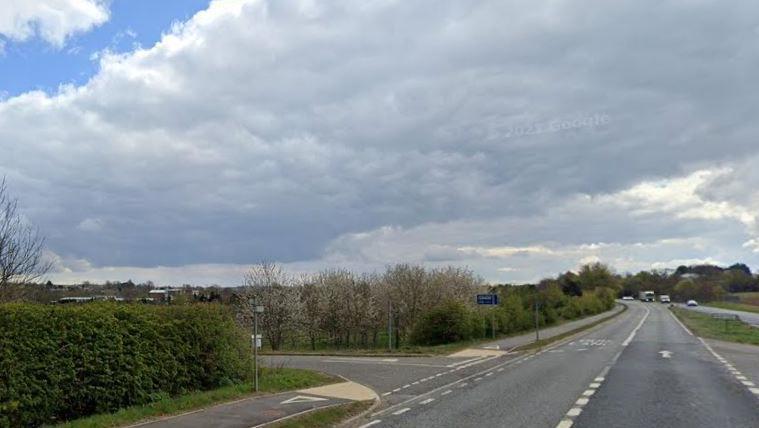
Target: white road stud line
[[401, 411], [681, 324], [427, 401], [635, 330], [738, 375], [374, 422], [446, 392]]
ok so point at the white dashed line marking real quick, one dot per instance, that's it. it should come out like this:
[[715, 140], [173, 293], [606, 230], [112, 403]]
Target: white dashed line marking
[[374, 422], [588, 392], [446, 392], [566, 423], [478, 379], [402, 411], [581, 402], [427, 401], [594, 385], [738, 375], [387, 393], [574, 411]]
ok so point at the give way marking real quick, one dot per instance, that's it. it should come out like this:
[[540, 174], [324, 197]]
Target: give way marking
[[666, 354], [303, 399]]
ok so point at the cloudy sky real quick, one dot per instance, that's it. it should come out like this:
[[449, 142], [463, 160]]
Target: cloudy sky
[[182, 142]]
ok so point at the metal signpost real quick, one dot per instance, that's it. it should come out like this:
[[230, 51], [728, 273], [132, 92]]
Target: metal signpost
[[489, 300], [256, 340]]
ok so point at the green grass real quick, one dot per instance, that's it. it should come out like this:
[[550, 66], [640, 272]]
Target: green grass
[[270, 381], [735, 306], [328, 417], [705, 326]]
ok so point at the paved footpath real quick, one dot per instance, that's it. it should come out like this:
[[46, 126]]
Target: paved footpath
[[261, 410]]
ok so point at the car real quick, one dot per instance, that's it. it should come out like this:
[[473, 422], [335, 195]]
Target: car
[[628, 298], [664, 298], [692, 303]]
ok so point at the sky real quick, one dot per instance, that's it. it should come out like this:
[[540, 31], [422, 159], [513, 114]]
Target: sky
[[180, 142]]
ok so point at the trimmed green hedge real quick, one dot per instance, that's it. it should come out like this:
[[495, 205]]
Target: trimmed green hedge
[[65, 362]]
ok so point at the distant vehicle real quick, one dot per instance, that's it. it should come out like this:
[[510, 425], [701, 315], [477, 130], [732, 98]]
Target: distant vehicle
[[628, 298], [664, 298], [647, 296], [692, 303]]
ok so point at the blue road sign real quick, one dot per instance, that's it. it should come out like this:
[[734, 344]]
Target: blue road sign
[[487, 299]]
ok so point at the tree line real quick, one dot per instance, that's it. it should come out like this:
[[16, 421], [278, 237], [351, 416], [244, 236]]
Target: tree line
[[406, 305]]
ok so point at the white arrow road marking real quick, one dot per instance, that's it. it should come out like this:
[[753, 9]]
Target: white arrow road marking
[[303, 399], [666, 354]]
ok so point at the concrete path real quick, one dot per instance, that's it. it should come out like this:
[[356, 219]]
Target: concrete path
[[261, 410]]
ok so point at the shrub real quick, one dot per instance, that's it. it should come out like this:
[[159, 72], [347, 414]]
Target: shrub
[[64, 362], [449, 322]]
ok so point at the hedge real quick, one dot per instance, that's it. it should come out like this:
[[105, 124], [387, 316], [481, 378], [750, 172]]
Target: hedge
[[64, 362]]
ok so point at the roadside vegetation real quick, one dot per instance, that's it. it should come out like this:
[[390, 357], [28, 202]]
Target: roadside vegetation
[[728, 330], [735, 306], [325, 418], [63, 362], [408, 308], [272, 380]]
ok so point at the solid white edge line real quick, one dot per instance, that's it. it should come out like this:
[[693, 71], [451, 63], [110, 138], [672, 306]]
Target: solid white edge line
[[681, 324], [635, 330]]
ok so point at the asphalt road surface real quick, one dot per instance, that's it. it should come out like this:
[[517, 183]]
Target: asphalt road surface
[[747, 317], [640, 369]]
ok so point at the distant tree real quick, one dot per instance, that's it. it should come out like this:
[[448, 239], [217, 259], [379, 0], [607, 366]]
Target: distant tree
[[740, 267], [268, 285], [21, 245], [595, 275]]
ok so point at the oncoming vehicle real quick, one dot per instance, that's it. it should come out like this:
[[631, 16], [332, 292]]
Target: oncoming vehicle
[[664, 298], [692, 303], [627, 298], [647, 296]]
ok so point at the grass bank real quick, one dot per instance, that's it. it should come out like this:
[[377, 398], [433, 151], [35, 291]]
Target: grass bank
[[705, 326], [324, 418], [270, 381], [735, 306]]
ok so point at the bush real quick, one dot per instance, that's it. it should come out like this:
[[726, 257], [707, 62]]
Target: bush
[[64, 362], [449, 322]]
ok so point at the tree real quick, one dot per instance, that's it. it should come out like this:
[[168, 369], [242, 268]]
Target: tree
[[21, 244], [268, 285]]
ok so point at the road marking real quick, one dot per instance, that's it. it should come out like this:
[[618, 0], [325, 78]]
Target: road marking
[[446, 392], [477, 379], [396, 389], [458, 363], [582, 349], [415, 383], [575, 411], [556, 350], [681, 324], [402, 411], [581, 402], [500, 370], [566, 423], [463, 385], [635, 330], [594, 385], [405, 386], [738, 375], [599, 379], [588, 392], [489, 374], [666, 354], [427, 401], [303, 399], [374, 422], [387, 393]]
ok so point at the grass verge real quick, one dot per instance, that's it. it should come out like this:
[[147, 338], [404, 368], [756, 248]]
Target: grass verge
[[543, 342], [705, 326], [735, 306], [437, 350], [270, 381], [328, 417]]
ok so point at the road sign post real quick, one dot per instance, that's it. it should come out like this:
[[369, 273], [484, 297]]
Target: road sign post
[[257, 309], [489, 300]]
